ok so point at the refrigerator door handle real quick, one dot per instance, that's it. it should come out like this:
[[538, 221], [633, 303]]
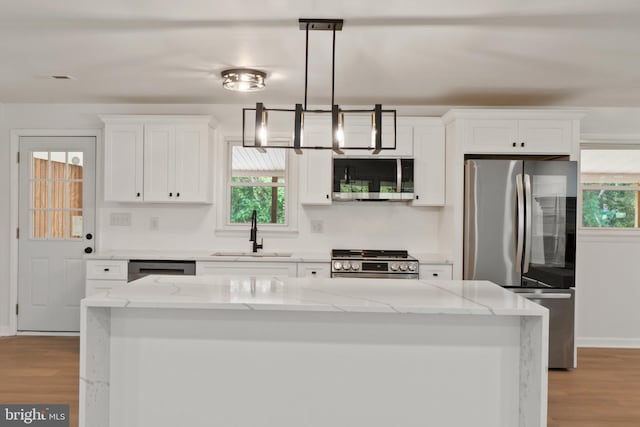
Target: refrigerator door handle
[[527, 236], [520, 223], [470, 244]]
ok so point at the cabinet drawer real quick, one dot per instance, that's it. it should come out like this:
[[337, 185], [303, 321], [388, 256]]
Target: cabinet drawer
[[107, 270], [93, 287], [314, 269], [436, 272]]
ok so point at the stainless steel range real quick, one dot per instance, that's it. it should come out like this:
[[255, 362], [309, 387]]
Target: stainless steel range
[[373, 263]]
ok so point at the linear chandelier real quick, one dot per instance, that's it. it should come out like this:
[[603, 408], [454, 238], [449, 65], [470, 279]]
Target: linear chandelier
[[261, 138]]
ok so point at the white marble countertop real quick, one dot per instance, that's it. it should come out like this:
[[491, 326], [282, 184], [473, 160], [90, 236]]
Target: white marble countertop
[[218, 255], [318, 294], [212, 255]]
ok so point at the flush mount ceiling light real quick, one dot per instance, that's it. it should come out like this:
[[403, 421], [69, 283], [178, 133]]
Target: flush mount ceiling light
[[243, 79], [256, 135]]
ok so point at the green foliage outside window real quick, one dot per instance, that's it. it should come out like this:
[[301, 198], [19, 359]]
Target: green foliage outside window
[[245, 199], [608, 208]]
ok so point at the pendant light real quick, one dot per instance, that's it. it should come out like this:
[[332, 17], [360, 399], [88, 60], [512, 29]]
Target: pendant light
[[261, 139]]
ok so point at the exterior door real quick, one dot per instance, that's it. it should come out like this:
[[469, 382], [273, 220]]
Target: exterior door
[[56, 224]]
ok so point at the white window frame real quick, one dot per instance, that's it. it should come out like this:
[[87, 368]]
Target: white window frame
[[224, 225], [606, 142]]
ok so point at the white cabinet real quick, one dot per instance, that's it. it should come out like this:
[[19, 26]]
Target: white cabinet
[[524, 136], [123, 162], [102, 275], [260, 268], [157, 159], [429, 162], [315, 177], [314, 269], [357, 133], [436, 271]]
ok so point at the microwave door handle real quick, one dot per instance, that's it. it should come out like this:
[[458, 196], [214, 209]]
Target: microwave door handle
[[520, 223], [398, 176], [528, 214]]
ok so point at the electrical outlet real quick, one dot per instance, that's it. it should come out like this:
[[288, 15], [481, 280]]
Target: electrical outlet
[[317, 226], [120, 219], [154, 223]]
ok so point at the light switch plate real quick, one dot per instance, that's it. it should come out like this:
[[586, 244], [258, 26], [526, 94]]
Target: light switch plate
[[154, 223], [317, 225], [120, 219]]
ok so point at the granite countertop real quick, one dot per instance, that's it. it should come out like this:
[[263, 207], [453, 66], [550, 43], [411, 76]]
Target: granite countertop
[[317, 294]]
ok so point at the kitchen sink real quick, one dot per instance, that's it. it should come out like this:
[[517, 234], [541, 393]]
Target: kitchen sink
[[254, 254]]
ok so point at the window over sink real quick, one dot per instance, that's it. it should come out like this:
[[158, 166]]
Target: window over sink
[[257, 181]]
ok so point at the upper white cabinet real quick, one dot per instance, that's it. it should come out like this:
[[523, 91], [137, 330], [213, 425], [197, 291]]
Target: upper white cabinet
[[157, 159], [315, 177], [516, 131], [357, 133], [429, 162], [123, 147]]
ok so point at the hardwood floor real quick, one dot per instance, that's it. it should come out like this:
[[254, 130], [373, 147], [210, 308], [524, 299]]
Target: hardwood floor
[[603, 392], [40, 370]]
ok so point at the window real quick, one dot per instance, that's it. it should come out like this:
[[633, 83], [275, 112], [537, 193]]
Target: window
[[257, 181], [610, 180]]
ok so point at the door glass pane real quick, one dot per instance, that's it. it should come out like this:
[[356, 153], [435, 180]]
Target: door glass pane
[[75, 225], [58, 195], [58, 165], [76, 162], [57, 223], [75, 195], [40, 165], [39, 226], [39, 189]]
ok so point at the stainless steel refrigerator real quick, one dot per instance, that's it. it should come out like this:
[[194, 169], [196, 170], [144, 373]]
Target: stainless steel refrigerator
[[520, 232]]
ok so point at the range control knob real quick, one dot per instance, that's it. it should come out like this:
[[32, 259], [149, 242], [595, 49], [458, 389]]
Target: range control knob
[[403, 267], [346, 265], [337, 265], [355, 266], [394, 267], [412, 267]]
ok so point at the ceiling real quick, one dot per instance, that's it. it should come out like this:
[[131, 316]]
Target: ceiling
[[405, 52]]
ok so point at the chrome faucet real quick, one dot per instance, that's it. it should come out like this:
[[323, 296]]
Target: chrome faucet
[[253, 236]]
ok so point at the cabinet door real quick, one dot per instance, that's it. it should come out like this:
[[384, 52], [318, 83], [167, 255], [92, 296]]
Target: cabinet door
[[490, 136], [123, 162], [93, 287], [314, 169], [244, 269], [159, 163], [429, 165], [545, 136], [191, 159], [314, 269], [436, 271]]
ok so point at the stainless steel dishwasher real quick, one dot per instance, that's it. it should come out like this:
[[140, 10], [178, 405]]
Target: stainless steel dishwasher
[[141, 268]]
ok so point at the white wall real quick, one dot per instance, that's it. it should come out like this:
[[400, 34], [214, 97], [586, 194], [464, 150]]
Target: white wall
[[608, 283], [346, 225], [4, 224]]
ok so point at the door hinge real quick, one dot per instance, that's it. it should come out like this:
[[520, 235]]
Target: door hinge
[[17, 311], [17, 232], [18, 159]]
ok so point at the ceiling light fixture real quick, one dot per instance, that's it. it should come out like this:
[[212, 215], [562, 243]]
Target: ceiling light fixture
[[243, 79], [258, 136]]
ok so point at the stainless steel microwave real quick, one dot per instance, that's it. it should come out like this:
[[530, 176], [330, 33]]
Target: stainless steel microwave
[[372, 179]]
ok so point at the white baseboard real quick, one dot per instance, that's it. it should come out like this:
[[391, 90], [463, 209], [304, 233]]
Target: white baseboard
[[608, 342], [5, 331], [49, 334]]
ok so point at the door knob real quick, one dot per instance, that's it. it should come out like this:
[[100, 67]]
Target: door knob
[[89, 236], [88, 250]]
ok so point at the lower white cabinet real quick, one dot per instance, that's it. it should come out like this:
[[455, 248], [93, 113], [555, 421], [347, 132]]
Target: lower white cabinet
[[314, 269], [226, 268], [436, 271], [102, 275]]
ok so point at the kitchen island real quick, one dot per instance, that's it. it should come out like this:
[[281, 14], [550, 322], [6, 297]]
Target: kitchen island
[[219, 351]]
